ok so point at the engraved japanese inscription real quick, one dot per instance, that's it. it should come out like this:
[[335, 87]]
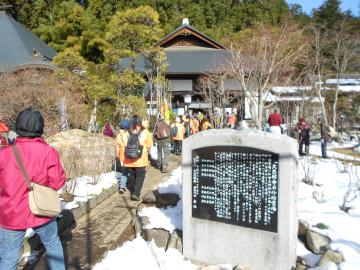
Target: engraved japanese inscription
[[236, 185]]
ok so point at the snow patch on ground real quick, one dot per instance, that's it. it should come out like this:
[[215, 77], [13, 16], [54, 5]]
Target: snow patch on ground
[[139, 254], [315, 149], [330, 185], [169, 218], [85, 189]]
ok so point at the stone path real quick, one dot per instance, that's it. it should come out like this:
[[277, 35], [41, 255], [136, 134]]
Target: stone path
[[104, 227]]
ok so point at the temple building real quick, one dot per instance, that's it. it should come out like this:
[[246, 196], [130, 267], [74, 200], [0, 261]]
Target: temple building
[[19, 48], [189, 55]]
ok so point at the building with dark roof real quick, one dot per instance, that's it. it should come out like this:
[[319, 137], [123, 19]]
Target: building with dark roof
[[20, 49], [189, 55]]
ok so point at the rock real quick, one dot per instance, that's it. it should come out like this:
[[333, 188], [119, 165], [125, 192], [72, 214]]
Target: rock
[[175, 241], [303, 228], [136, 225], [172, 240], [167, 199], [241, 267], [95, 151], [301, 266], [317, 242], [300, 260], [161, 237], [138, 222], [149, 197], [179, 245], [210, 267], [219, 267], [144, 221], [331, 256], [162, 200], [140, 208]]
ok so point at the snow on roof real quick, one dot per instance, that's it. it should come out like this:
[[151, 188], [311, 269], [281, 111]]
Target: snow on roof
[[290, 89], [344, 87], [343, 81], [269, 97], [350, 88]]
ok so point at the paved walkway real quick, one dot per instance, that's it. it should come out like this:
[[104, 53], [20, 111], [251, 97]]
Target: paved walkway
[[104, 227]]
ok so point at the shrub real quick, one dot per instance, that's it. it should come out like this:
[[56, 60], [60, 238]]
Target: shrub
[[43, 90]]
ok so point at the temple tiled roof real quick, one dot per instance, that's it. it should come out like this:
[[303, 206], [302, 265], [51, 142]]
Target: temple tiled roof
[[185, 61], [18, 46]]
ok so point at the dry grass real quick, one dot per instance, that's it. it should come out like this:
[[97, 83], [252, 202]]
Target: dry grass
[[43, 91], [349, 152]]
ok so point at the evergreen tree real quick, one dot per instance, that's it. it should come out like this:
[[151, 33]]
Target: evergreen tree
[[329, 14], [131, 31]]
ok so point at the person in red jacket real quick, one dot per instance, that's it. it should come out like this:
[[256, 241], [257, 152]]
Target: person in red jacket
[[43, 166], [275, 121]]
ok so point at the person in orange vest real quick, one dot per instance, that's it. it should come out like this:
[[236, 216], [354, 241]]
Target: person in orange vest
[[205, 124], [133, 153], [185, 122], [232, 120], [177, 132], [194, 125], [3, 134]]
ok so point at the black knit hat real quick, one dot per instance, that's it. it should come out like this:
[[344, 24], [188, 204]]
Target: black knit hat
[[29, 123]]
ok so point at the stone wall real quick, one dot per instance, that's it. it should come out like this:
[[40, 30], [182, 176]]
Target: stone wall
[[84, 153]]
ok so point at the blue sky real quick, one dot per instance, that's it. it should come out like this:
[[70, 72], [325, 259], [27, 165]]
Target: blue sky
[[308, 5]]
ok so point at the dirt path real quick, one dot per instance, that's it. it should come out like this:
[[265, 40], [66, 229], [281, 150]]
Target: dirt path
[[104, 227]]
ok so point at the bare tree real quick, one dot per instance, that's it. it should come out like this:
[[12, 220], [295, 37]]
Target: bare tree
[[155, 68], [319, 67], [212, 88], [346, 50], [353, 190], [268, 58]]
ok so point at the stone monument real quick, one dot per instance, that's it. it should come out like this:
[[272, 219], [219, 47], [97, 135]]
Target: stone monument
[[239, 199]]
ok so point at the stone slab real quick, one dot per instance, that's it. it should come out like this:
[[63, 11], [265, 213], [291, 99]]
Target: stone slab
[[214, 242]]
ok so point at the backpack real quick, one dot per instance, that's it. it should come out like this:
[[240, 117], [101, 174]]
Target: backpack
[[174, 131], [187, 129], [133, 149], [331, 131], [162, 131]]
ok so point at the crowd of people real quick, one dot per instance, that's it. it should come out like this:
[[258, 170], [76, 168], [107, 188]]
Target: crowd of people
[[302, 132], [135, 136]]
